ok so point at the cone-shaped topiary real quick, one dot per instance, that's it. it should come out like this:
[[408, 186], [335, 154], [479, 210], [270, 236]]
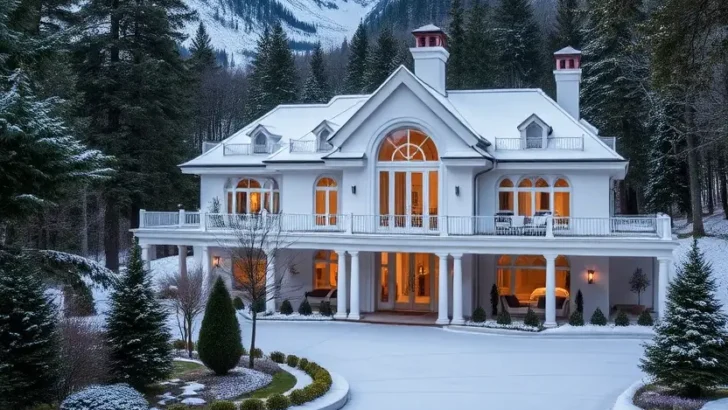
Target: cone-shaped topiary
[[576, 319], [621, 319], [325, 308], [219, 345], [305, 308], [598, 318], [580, 302], [494, 298], [286, 307], [645, 319], [238, 303], [531, 319], [504, 318], [478, 315]]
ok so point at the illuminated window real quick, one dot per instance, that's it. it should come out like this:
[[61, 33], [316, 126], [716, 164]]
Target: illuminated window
[[535, 195], [326, 201], [525, 277], [250, 197], [325, 269], [249, 274], [407, 145]]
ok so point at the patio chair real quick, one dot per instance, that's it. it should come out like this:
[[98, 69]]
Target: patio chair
[[316, 296], [513, 306]]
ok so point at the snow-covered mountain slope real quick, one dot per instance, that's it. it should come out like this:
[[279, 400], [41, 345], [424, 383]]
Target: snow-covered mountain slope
[[234, 25]]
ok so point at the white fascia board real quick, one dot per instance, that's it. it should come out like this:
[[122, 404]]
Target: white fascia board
[[615, 167], [467, 162], [345, 163], [225, 170]]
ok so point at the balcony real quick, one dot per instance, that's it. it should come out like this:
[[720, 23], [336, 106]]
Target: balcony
[[249, 149], [561, 143], [657, 227], [310, 146]]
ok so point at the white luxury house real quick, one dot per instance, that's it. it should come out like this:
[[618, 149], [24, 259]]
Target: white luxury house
[[416, 198]]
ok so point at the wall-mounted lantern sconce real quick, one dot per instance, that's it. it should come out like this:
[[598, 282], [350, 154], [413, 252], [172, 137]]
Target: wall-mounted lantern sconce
[[353, 189], [590, 276], [457, 190], [216, 261]]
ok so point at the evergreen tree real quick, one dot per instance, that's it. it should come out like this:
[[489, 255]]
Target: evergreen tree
[[136, 329], [609, 93], [481, 56], [355, 81], [665, 176], [219, 345], [28, 340], [688, 352], [382, 61], [519, 42], [316, 89], [273, 79], [136, 102], [567, 31], [202, 55], [456, 64]]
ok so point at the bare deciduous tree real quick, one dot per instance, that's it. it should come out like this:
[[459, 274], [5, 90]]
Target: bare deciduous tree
[[84, 356], [188, 297], [257, 249]]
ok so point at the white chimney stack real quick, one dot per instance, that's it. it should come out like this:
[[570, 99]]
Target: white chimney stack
[[568, 79], [431, 56]]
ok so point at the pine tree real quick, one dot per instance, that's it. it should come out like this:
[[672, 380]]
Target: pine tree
[[257, 101], [136, 329], [567, 31], [481, 56], [456, 65], [355, 81], [519, 42], [688, 352], [382, 61], [665, 176], [28, 340], [316, 89], [202, 55], [219, 344], [611, 75]]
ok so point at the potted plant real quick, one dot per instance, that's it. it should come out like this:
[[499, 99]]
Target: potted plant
[[638, 283]]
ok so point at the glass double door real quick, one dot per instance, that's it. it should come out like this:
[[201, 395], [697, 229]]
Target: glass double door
[[407, 281], [408, 199]]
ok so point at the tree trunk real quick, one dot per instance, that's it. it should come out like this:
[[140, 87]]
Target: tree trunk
[[709, 176], [251, 359], [723, 185], [189, 335], [111, 235], [84, 217], [694, 174]]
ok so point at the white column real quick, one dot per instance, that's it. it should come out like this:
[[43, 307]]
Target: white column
[[182, 250], [442, 318], [354, 310], [145, 257], [205, 261], [550, 291], [270, 283], [457, 290], [662, 280], [341, 287]]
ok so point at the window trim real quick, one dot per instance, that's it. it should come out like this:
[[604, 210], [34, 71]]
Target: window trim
[[326, 218], [268, 192]]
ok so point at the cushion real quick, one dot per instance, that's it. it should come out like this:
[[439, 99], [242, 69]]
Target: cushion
[[318, 293], [512, 301], [542, 302], [560, 302]]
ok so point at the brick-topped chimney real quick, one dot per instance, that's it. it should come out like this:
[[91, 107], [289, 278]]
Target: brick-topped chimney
[[430, 56], [568, 79]]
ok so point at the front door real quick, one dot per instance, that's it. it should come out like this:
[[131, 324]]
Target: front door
[[407, 281]]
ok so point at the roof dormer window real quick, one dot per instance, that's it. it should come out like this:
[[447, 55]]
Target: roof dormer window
[[534, 133], [260, 143], [323, 144], [534, 136]]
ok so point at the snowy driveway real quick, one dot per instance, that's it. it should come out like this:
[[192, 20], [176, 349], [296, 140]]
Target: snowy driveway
[[420, 368]]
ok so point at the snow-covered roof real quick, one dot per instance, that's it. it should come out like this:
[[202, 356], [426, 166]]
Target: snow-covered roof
[[569, 50], [489, 115], [429, 28]]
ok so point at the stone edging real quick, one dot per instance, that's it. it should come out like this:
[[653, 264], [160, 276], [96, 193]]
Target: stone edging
[[624, 401], [302, 378], [247, 317], [546, 333]]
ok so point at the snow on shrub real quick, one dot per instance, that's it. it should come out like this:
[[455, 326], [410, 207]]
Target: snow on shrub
[[113, 397]]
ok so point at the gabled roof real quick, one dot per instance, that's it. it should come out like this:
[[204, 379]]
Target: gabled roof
[[533, 118], [428, 28], [569, 50]]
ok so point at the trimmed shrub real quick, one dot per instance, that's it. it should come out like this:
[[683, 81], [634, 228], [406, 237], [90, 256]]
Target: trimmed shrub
[[325, 308], [298, 397], [645, 319], [252, 404], [292, 360], [504, 318], [531, 319], [238, 303], [278, 357], [223, 405], [580, 302], [494, 298], [303, 364], [259, 305], [257, 353], [621, 319], [478, 315], [277, 402], [219, 345], [598, 318], [286, 308], [576, 318], [305, 308], [113, 397], [177, 407]]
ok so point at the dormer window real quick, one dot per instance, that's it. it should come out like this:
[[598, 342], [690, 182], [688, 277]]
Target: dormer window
[[260, 143], [534, 136], [534, 133], [323, 144]]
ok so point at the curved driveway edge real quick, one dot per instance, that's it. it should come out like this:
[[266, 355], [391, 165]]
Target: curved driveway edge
[[334, 399], [624, 401], [545, 334]]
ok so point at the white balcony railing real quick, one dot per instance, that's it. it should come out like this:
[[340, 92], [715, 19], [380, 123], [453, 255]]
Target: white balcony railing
[[561, 143], [658, 226], [249, 149], [309, 146], [610, 141]]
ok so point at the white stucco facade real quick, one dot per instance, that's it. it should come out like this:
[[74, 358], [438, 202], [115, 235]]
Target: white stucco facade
[[412, 179]]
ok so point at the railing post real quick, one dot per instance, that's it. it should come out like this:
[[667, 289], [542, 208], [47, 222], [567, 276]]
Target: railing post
[[350, 225], [203, 221], [142, 215], [666, 226], [181, 221], [549, 226]]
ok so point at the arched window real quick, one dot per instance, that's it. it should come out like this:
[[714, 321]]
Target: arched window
[[534, 196], [327, 201], [525, 277], [326, 269], [249, 197], [408, 145]]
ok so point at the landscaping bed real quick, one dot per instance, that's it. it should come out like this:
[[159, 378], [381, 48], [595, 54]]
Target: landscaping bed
[[516, 325], [653, 397]]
